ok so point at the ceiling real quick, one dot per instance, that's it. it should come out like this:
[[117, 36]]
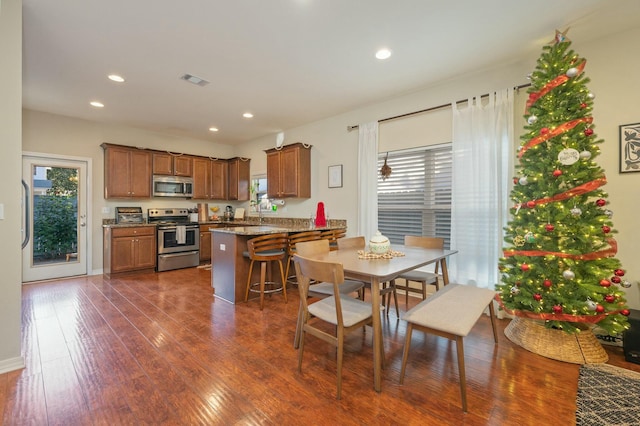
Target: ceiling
[[289, 62]]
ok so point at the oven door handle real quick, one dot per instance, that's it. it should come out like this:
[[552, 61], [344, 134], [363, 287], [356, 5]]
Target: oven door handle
[[182, 253], [173, 227]]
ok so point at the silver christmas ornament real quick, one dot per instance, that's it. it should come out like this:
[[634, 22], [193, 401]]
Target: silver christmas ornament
[[626, 284], [609, 213], [576, 211], [585, 155], [515, 290], [591, 305], [532, 119], [523, 180], [572, 72], [591, 96], [568, 275]]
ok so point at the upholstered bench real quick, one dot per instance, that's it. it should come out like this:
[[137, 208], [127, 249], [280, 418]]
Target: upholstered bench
[[451, 312]]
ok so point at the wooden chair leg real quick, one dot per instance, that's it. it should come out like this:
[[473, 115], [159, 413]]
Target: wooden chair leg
[[263, 277], [406, 294], [296, 339], [339, 361], [284, 281], [301, 348], [461, 372], [405, 351], [246, 295]]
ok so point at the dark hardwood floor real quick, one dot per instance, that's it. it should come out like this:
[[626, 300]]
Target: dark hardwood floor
[[160, 349]]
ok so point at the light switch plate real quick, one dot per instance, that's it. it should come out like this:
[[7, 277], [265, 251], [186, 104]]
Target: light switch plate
[[105, 210], [223, 247], [1, 211]]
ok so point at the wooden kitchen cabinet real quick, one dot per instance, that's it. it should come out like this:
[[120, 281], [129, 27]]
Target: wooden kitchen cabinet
[[289, 171], [239, 179], [219, 179], [127, 172], [165, 163], [205, 244], [209, 179], [129, 249]]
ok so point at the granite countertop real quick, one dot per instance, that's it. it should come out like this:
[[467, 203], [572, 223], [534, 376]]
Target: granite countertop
[[126, 225], [268, 229], [248, 226]]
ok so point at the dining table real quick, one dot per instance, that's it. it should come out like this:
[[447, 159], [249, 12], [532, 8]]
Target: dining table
[[375, 269]]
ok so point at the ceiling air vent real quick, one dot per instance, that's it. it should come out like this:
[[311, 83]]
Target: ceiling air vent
[[194, 80]]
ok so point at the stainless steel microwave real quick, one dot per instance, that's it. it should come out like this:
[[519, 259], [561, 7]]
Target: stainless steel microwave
[[172, 186]]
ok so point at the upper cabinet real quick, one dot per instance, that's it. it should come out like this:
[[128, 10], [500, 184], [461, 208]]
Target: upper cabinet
[[219, 179], [239, 179], [209, 179], [289, 171], [165, 163], [127, 172]]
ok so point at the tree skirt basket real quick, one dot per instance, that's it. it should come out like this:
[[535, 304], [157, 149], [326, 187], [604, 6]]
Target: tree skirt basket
[[579, 348]]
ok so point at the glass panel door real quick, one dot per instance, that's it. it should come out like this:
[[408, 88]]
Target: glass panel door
[[54, 228]]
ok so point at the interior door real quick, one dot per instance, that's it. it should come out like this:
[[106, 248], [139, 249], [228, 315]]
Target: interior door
[[54, 227]]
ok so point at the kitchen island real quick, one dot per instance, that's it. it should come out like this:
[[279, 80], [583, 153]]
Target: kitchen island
[[229, 267]]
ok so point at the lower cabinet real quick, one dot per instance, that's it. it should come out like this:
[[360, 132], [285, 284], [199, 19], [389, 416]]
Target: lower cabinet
[[205, 244], [127, 249]]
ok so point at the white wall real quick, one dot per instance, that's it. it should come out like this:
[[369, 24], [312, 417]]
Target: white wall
[[10, 175]]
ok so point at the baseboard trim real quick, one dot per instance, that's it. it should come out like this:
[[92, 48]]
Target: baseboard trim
[[11, 364]]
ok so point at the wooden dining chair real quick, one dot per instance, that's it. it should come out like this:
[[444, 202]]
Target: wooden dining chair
[[265, 249], [359, 243], [424, 278], [294, 239], [322, 289], [344, 312]]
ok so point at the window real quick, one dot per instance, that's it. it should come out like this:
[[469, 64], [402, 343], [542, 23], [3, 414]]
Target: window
[[416, 198]]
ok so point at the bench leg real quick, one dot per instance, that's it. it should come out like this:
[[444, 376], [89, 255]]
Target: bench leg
[[492, 313], [405, 351], [461, 372]]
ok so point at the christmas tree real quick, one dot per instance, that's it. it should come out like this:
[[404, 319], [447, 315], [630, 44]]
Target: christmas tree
[[559, 261]]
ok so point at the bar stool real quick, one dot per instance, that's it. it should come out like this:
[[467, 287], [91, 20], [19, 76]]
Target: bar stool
[[298, 237], [332, 235], [266, 249]]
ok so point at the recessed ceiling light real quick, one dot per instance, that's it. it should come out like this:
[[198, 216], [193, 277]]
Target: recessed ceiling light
[[213, 129], [96, 104], [116, 78], [247, 115], [383, 53]]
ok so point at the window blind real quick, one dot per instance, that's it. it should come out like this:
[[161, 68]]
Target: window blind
[[416, 198]]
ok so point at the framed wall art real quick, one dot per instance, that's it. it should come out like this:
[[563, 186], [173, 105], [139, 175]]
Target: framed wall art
[[335, 176], [630, 148]]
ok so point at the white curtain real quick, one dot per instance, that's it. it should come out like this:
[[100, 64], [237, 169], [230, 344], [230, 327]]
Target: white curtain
[[367, 179], [482, 169]]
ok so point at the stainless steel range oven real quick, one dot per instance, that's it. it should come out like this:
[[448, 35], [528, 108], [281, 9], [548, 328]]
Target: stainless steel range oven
[[178, 238]]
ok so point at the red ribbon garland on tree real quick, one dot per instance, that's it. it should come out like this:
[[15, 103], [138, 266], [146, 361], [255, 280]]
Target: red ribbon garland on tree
[[553, 133], [561, 79], [608, 252], [589, 319], [578, 190]]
